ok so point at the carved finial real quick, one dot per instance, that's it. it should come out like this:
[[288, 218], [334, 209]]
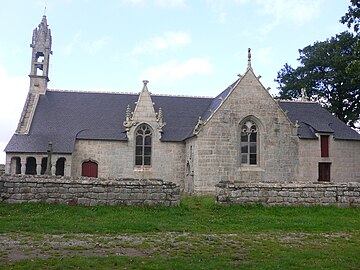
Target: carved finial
[[304, 96], [128, 113], [145, 82], [249, 58], [160, 120], [129, 122], [198, 126]]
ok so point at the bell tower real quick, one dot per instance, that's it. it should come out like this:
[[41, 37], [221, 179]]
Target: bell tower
[[41, 50], [39, 74]]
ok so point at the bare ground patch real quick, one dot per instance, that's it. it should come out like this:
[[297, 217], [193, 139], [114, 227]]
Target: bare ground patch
[[21, 246]]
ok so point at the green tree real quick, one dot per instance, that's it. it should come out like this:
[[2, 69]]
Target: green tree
[[352, 17], [326, 71], [352, 20]]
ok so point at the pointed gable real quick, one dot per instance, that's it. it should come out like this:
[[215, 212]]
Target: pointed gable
[[144, 110]]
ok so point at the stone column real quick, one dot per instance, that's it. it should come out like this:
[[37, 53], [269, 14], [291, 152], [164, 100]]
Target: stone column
[[49, 155], [53, 170], [8, 165], [67, 168], [38, 165], [23, 166]]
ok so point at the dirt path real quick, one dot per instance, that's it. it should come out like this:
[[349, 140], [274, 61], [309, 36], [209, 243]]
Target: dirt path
[[20, 246]]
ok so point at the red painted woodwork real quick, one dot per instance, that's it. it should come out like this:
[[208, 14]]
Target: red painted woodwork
[[324, 145], [324, 171], [89, 169]]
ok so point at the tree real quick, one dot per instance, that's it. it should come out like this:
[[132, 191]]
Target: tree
[[326, 71], [352, 20], [352, 17]]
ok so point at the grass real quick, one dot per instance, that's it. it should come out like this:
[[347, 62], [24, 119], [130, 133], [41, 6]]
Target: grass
[[195, 214], [196, 235]]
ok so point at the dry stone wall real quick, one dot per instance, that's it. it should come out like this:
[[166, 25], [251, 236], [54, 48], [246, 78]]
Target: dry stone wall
[[88, 191], [271, 194]]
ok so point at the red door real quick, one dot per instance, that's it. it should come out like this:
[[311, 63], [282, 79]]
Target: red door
[[89, 169]]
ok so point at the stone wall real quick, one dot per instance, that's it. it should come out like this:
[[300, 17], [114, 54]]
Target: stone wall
[[344, 156], [271, 194], [115, 159], [88, 191]]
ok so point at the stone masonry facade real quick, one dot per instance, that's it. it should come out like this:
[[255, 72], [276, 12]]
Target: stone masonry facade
[[294, 194], [88, 192], [243, 135]]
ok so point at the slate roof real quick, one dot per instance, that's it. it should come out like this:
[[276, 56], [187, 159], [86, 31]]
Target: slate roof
[[62, 117], [313, 119]]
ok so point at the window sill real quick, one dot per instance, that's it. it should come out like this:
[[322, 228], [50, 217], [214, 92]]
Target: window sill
[[251, 168], [142, 168]]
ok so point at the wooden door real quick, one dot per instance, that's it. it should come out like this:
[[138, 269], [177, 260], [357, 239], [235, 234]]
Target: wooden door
[[89, 169], [324, 171]]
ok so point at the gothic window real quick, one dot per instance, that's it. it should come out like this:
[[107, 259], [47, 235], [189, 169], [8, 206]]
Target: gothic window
[[249, 143], [143, 146]]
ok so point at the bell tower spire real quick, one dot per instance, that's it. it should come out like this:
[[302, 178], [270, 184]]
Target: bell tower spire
[[39, 74], [41, 50]]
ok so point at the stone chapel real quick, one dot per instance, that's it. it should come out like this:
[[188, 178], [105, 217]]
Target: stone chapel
[[241, 135]]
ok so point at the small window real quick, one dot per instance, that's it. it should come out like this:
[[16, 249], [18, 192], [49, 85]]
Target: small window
[[324, 171], [143, 146], [324, 145], [248, 143]]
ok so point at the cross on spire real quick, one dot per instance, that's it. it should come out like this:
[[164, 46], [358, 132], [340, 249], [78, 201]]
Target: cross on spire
[[249, 58]]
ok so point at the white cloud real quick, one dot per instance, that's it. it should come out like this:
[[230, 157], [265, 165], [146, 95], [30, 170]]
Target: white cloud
[[169, 40], [219, 7], [175, 70], [89, 46], [297, 12], [14, 91]]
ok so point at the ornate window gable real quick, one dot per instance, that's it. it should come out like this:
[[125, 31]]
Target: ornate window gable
[[143, 145], [249, 142]]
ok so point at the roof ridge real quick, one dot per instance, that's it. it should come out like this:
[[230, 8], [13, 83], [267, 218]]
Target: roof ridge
[[297, 101], [178, 95], [128, 93], [89, 91]]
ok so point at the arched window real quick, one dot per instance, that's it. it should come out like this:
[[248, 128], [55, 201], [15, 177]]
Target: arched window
[[89, 169], [15, 165], [60, 166], [43, 165], [249, 143], [143, 145], [30, 166]]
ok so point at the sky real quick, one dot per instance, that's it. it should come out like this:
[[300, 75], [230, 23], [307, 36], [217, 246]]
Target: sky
[[183, 47]]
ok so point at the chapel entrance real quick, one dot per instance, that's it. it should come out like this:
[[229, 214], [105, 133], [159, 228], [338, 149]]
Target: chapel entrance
[[89, 169]]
